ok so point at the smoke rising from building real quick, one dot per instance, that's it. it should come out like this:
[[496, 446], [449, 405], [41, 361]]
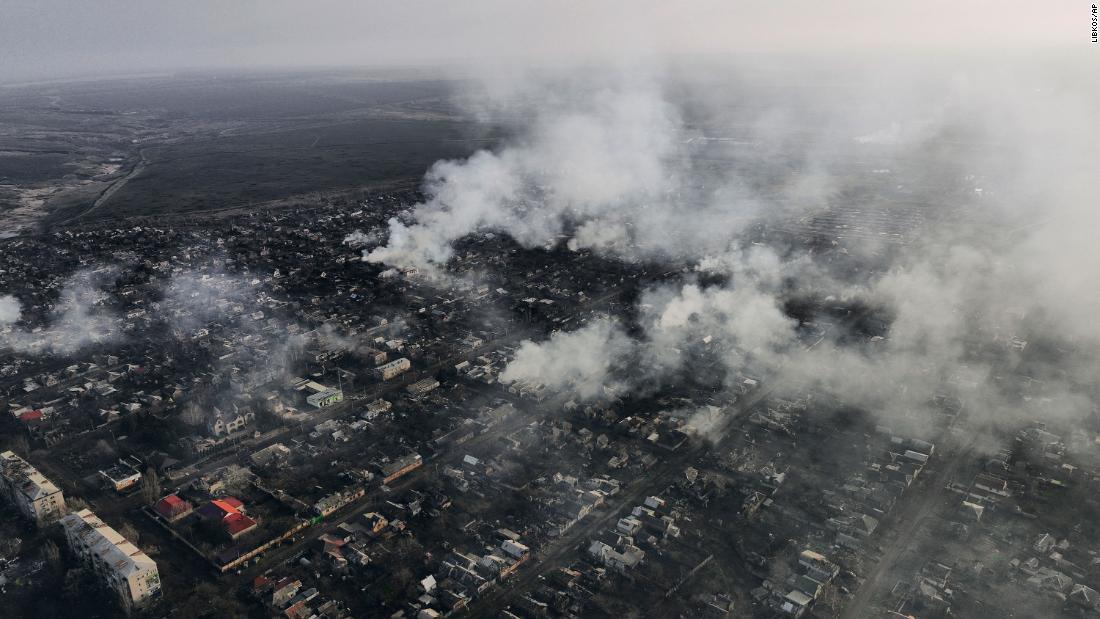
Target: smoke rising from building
[[580, 362], [10, 309], [76, 320], [998, 260]]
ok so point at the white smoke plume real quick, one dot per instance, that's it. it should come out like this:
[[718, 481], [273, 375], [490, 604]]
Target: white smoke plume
[[611, 162], [194, 298], [78, 319], [358, 238], [580, 362], [998, 276], [742, 325], [10, 309], [594, 160]]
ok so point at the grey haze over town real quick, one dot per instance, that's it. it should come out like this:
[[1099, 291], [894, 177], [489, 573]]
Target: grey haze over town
[[536, 309]]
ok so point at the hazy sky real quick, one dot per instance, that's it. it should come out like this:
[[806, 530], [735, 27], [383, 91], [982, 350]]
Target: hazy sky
[[41, 39]]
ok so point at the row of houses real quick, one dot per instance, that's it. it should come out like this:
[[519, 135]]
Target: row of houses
[[648, 523], [289, 597], [463, 577], [795, 596]]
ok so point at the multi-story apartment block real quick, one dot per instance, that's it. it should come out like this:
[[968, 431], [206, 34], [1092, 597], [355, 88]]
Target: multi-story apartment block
[[35, 496], [118, 562]]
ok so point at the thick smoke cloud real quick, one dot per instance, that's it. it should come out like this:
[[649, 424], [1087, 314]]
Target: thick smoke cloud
[[192, 299], [745, 326], [585, 162], [741, 326], [10, 309], [78, 319], [998, 281], [359, 238], [580, 362], [197, 299]]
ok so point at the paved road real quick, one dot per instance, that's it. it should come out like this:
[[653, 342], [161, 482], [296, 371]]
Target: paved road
[[112, 189], [563, 551], [928, 499]]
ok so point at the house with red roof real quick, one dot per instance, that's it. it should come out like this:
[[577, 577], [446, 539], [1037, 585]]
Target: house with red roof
[[261, 584], [229, 505], [229, 512], [298, 610], [172, 508], [29, 416], [238, 524], [217, 509]]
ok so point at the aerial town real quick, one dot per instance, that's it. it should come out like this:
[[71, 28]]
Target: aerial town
[[217, 412], [486, 311]]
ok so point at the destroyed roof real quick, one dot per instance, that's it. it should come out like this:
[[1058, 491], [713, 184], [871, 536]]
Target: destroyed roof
[[22, 475], [107, 544]]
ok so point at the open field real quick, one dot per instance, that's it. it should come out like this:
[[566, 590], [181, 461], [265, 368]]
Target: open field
[[86, 151]]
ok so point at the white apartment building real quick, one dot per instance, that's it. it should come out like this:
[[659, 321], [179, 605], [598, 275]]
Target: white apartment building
[[393, 368], [119, 563], [36, 497]]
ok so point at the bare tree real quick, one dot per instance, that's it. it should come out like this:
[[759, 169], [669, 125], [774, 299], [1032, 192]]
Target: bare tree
[[103, 449], [20, 445], [128, 531], [75, 583], [150, 486], [192, 415], [52, 555]]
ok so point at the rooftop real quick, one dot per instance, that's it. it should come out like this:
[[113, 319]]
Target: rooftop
[[123, 556], [30, 482]]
